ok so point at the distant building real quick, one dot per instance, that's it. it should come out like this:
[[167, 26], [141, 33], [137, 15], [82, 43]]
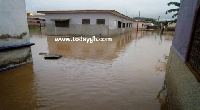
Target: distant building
[[163, 24], [87, 22], [141, 25], [183, 70], [167, 25], [171, 25], [35, 20]]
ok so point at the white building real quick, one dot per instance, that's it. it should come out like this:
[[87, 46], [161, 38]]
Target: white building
[[86, 22], [35, 20]]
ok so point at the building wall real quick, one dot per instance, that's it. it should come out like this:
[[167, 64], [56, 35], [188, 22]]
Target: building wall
[[113, 25], [13, 25], [184, 27], [182, 86], [77, 28], [139, 25], [33, 21], [113, 18], [171, 24], [13, 32], [15, 57], [77, 18]]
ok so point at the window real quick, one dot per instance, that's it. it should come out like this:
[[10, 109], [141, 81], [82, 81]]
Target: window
[[124, 24], [193, 55], [127, 25], [62, 23], [119, 24], [115, 23], [130, 24], [38, 21], [100, 21], [85, 21]]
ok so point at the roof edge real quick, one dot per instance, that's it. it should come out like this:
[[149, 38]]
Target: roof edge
[[87, 11]]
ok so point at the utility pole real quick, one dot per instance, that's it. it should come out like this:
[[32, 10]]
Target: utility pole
[[158, 21], [138, 21], [139, 15]]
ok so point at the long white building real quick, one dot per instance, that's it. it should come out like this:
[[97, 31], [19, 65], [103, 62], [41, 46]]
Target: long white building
[[87, 22]]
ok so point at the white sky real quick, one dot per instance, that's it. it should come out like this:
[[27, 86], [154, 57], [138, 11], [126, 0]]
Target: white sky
[[147, 8]]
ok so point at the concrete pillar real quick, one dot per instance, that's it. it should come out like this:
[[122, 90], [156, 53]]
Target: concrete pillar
[[14, 34]]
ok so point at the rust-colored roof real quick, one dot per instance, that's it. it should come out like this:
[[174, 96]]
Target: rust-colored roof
[[116, 13]]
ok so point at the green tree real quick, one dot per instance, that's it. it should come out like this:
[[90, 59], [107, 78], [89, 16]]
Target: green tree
[[150, 20], [177, 4]]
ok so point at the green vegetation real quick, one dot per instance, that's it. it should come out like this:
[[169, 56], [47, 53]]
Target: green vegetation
[[177, 4]]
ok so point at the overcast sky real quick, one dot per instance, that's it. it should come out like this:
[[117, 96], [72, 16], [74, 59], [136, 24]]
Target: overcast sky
[[147, 8]]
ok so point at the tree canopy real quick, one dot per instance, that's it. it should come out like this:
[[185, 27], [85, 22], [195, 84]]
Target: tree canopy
[[177, 4]]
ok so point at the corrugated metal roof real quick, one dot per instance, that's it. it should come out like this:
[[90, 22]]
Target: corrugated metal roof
[[116, 13]]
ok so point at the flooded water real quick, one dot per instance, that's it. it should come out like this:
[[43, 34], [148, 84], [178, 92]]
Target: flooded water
[[125, 74]]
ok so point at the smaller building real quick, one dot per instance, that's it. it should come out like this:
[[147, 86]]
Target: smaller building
[[140, 25], [171, 26], [101, 23], [35, 20], [167, 25]]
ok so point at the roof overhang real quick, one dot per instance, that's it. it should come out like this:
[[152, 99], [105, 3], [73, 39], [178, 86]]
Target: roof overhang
[[116, 13], [60, 19]]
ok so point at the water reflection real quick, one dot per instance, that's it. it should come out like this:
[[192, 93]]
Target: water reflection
[[95, 50], [121, 74], [17, 89]]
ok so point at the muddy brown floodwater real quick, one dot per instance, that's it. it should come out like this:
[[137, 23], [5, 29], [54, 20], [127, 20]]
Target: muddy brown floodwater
[[125, 74]]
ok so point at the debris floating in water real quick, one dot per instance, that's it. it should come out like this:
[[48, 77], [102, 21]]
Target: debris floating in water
[[53, 56]]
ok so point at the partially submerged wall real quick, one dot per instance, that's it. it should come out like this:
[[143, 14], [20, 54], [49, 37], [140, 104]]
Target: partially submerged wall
[[11, 58], [13, 33], [183, 89], [76, 28]]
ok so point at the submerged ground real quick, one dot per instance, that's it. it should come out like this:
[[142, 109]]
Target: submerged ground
[[125, 74]]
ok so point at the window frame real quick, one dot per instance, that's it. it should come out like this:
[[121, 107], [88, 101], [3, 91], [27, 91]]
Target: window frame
[[127, 25], [123, 25], [99, 22], [84, 21], [119, 24], [65, 24]]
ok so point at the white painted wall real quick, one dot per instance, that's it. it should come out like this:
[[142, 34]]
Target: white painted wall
[[76, 18], [13, 21], [113, 18]]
